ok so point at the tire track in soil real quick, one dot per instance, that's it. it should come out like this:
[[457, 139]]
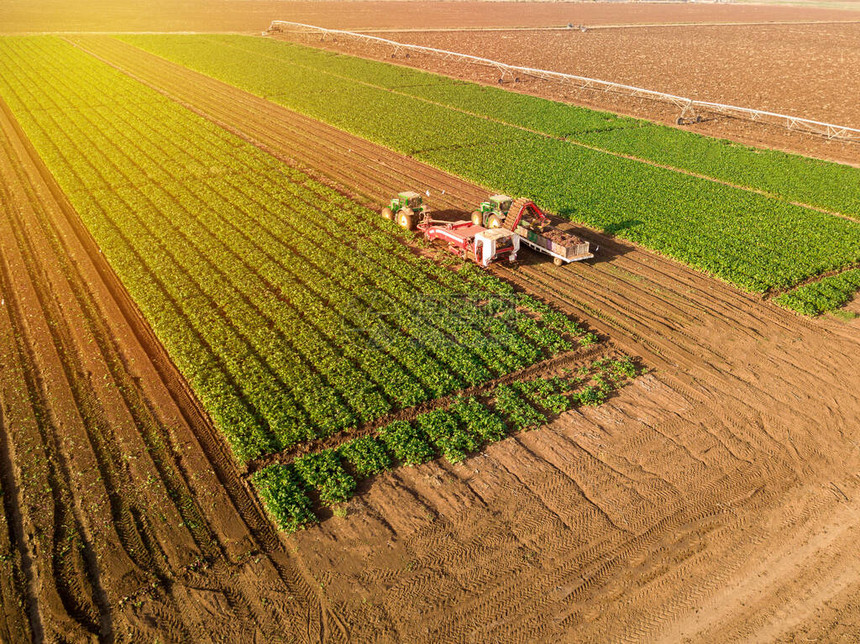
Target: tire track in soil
[[77, 572], [743, 383], [191, 485], [22, 619]]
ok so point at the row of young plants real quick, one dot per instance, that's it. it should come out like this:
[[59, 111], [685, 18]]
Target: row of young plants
[[755, 241], [293, 312], [824, 295], [330, 477]]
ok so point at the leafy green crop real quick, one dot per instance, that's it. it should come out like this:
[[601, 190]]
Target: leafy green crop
[[293, 312], [547, 393], [284, 496], [827, 294], [324, 472], [457, 432], [521, 414], [408, 443], [366, 455], [479, 419], [454, 441]]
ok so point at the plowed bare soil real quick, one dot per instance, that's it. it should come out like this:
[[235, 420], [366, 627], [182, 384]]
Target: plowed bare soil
[[806, 70], [715, 499], [124, 516], [248, 16]]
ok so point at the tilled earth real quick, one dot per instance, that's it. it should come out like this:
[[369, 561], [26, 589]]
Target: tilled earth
[[713, 499]]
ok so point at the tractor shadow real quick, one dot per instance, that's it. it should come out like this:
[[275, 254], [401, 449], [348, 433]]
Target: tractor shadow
[[451, 214]]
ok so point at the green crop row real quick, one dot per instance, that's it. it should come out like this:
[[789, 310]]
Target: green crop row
[[454, 433], [293, 312], [827, 294], [756, 241]]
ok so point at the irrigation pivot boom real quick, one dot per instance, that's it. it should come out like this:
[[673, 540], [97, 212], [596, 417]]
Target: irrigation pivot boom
[[688, 106]]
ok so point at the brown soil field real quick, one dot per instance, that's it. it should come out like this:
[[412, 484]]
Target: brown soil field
[[801, 70], [124, 517], [715, 499], [17, 16]]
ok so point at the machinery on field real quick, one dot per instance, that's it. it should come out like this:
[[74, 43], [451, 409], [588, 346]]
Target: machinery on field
[[491, 213], [533, 227], [407, 209], [476, 243], [463, 238]]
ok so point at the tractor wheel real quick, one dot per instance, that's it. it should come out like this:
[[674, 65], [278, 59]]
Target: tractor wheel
[[494, 221], [387, 213], [477, 218], [406, 219], [557, 261]]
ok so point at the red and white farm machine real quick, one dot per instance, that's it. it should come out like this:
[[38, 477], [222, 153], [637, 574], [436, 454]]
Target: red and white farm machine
[[496, 229], [464, 238]]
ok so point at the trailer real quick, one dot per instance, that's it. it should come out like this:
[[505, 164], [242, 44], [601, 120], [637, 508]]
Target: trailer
[[536, 230]]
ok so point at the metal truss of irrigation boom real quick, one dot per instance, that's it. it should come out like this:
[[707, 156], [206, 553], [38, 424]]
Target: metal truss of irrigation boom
[[688, 106]]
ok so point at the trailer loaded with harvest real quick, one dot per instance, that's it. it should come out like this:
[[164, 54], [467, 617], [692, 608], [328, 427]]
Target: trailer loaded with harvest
[[533, 227]]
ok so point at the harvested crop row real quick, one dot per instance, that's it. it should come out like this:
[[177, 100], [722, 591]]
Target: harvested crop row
[[293, 312], [756, 241]]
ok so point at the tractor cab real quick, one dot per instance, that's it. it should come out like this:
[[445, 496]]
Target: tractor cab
[[409, 199], [501, 203], [492, 213]]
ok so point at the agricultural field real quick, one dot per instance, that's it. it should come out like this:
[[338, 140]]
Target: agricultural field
[[738, 234], [279, 352], [238, 404], [753, 64], [254, 16]]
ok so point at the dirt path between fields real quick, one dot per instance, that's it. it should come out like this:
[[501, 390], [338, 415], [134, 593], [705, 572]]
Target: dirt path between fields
[[691, 505], [128, 520]]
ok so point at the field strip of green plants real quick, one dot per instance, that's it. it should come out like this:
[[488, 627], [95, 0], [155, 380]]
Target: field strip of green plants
[[293, 312], [752, 240], [329, 477], [824, 295]]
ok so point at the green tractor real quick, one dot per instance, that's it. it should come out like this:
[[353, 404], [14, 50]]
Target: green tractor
[[492, 213], [406, 210]]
